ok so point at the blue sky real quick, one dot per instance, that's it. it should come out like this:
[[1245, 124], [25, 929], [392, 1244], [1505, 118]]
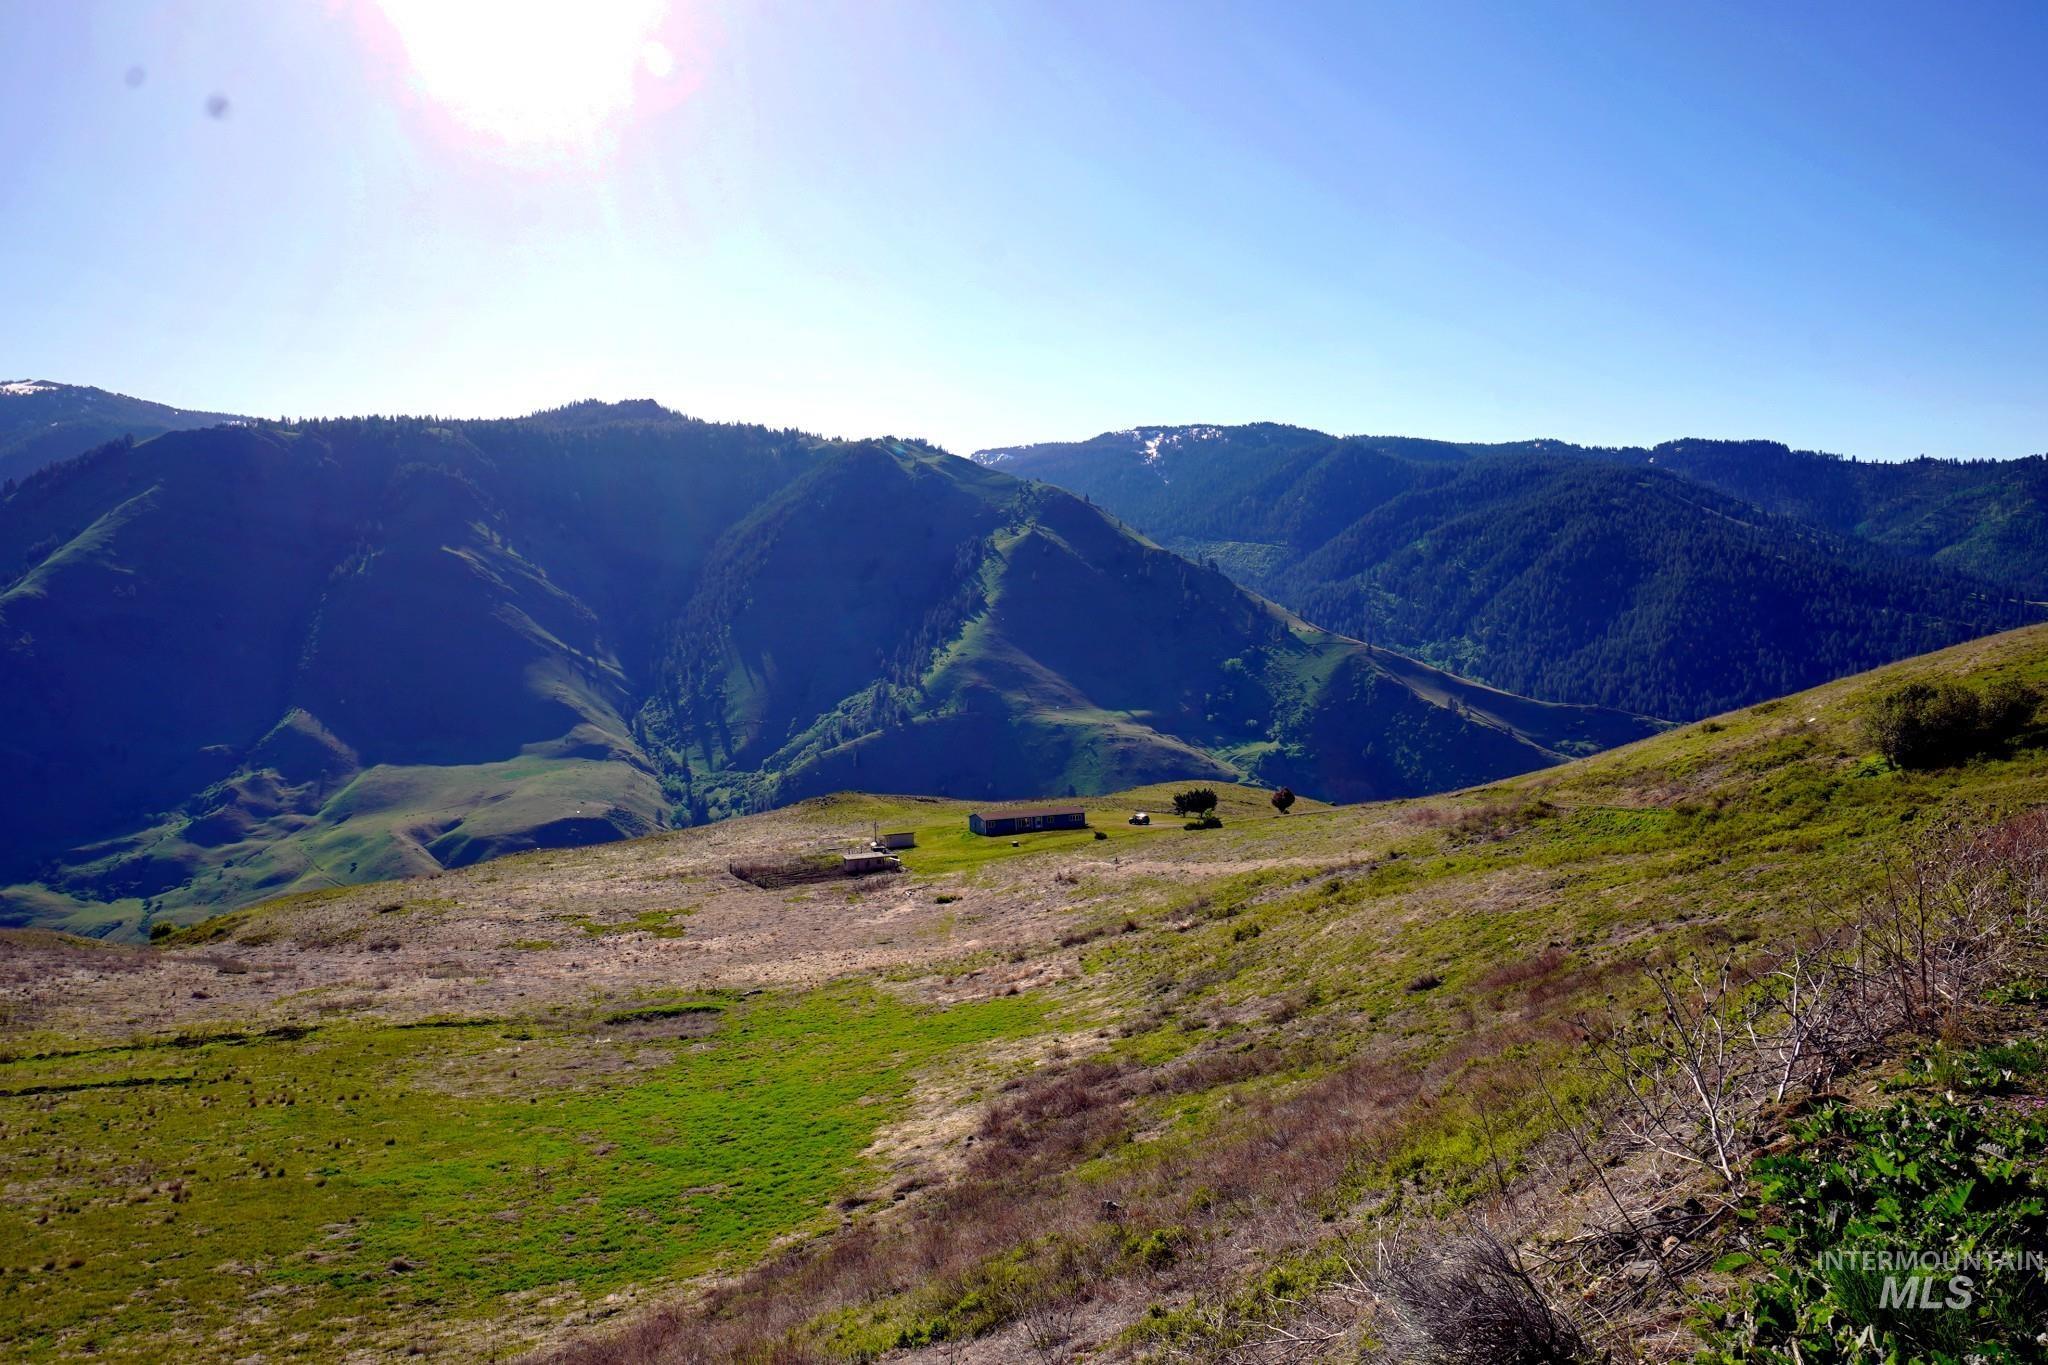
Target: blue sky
[[992, 223]]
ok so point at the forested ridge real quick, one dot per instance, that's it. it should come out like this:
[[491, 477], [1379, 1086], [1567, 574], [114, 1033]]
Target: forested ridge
[[285, 655], [1677, 581]]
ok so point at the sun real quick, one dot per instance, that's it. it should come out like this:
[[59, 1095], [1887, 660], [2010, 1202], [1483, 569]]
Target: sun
[[531, 74]]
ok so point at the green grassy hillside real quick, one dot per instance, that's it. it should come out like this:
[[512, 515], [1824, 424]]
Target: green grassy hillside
[[1149, 1096]]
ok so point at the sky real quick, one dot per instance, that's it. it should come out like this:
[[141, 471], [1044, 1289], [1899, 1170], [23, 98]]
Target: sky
[[990, 223]]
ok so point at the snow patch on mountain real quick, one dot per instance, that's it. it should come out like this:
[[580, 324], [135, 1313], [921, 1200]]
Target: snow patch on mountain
[[1154, 442]]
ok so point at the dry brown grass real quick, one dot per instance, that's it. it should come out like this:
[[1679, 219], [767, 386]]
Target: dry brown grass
[[1488, 822], [1470, 1300]]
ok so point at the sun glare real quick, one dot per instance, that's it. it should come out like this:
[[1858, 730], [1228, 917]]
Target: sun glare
[[532, 74]]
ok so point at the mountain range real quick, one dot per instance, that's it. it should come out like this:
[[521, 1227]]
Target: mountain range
[[1678, 581], [43, 422], [1987, 518], [267, 657]]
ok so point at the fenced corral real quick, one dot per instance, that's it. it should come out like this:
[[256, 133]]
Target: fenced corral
[[775, 874]]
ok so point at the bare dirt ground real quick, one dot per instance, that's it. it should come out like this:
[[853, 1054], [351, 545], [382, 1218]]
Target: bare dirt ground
[[566, 928]]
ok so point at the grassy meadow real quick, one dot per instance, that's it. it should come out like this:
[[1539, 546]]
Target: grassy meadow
[[357, 1186]]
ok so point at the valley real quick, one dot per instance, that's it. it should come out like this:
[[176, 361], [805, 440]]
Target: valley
[[890, 1115], [270, 658], [448, 642]]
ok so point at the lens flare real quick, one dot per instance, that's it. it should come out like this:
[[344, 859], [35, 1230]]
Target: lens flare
[[533, 75]]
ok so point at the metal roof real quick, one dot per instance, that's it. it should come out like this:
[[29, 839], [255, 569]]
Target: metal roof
[[1022, 812]]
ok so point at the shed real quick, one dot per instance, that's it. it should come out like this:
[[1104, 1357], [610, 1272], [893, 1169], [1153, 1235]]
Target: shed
[[1026, 819], [864, 860], [900, 839]]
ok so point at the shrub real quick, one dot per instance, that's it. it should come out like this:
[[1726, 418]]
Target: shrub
[[1283, 800], [1158, 1248], [1697, 1073], [1471, 1302], [1195, 801], [1934, 725], [1497, 820], [2008, 709]]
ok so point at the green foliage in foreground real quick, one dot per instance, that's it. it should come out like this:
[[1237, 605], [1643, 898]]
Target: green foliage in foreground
[[359, 1180], [1916, 1178]]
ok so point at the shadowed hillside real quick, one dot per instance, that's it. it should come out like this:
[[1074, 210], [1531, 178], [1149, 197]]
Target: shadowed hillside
[[42, 423], [276, 657], [1625, 578], [1987, 518]]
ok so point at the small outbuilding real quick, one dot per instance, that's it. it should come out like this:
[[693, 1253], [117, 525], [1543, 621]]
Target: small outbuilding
[[900, 839], [863, 861], [1026, 819]]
